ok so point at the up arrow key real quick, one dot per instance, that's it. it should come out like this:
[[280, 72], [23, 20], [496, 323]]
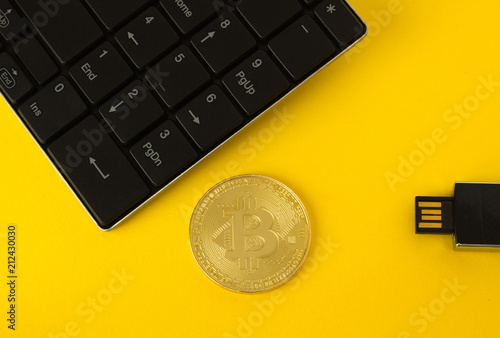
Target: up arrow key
[[131, 36]]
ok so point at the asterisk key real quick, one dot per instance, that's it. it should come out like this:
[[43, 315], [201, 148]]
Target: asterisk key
[[331, 8]]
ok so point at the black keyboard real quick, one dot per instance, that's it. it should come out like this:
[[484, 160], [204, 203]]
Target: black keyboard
[[126, 95]]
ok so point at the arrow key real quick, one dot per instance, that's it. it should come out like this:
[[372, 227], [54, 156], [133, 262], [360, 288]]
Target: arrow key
[[13, 81], [223, 41], [209, 117], [146, 37], [131, 111], [11, 23], [98, 171]]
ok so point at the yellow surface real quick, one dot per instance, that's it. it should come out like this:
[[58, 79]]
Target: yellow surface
[[337, 141]]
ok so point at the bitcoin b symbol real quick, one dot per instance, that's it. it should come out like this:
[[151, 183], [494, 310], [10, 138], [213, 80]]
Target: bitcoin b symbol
[[252, 237]]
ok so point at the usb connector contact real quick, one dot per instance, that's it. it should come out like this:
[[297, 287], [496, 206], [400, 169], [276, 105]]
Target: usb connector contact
[[473, 215]]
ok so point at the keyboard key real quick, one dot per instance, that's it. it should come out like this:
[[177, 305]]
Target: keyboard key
[[112, 12], [36, 59], [67, 28], [255, 82], [209, 117], [340, 21], [100, 72], [146, 37], [11, 23], [163, 153], [177, 76], [52, 109], [188, 14], [223, 41], [266, 16], [97, 169], [301, 47], [14, 83], [131, 111]]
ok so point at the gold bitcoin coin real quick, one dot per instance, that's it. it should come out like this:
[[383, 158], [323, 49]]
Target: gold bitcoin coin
[[249, 233]]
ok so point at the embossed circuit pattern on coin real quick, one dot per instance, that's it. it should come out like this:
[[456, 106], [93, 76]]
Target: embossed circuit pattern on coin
[[249, 233]]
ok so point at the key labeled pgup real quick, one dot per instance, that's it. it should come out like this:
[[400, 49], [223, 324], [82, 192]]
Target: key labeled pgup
[[245, 83]]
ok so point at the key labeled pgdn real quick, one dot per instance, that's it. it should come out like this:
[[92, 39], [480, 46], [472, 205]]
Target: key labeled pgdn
[[153, 155], [163, 153]]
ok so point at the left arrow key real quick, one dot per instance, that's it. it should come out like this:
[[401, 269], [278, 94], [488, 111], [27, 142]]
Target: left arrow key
[[98, 171]]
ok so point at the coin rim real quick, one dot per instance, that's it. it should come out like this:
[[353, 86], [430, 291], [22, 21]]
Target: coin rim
[[305, 215]]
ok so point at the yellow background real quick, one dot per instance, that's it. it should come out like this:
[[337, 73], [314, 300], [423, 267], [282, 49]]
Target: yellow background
[[346, 129]]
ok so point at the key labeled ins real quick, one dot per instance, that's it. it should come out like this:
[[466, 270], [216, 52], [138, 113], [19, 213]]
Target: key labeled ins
[[163, 153], [255, 82], [52, 109]]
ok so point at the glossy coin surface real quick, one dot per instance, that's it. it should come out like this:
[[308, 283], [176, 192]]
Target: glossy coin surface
[[249, 233]]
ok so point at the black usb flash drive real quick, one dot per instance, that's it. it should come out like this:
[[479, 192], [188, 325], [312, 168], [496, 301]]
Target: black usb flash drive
[[473, 215]]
